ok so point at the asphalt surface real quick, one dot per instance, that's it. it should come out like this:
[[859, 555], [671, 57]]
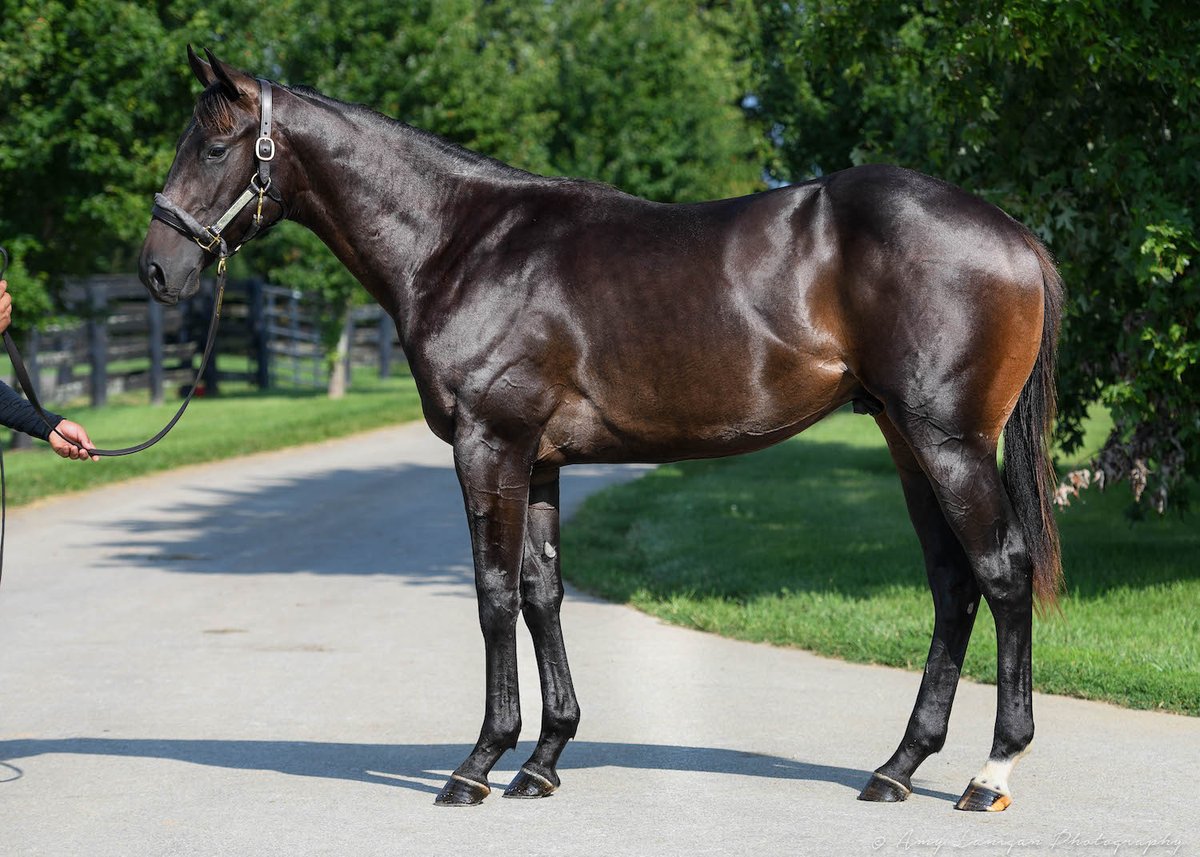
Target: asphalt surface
[[280, 655]]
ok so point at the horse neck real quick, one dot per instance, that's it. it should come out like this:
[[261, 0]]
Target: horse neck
[[384, 197]]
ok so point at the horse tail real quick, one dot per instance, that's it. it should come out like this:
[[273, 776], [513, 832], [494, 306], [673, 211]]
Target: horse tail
[[1029, 476]]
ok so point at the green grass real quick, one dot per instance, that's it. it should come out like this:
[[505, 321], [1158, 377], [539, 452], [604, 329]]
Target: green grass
[[238, 422], [808, 544]]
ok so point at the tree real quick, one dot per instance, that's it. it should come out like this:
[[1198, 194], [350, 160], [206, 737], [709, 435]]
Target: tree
[[84, 138], [1081, 119]]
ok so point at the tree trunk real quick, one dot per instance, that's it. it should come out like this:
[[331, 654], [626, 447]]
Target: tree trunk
[[339, 370]]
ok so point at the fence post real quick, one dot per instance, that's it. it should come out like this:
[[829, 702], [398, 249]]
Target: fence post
[[258, 334], [385, 344], [157, 372], [348, 335], [20, 440], [98, 337], [212, 375], [294, 318]]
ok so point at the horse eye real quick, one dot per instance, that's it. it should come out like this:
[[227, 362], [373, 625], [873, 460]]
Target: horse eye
[[215, 152]]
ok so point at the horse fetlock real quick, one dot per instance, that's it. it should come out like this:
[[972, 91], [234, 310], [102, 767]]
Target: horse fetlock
[[561, 724]]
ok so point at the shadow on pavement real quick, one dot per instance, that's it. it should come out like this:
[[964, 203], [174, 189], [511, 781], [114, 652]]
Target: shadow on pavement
[[404, 520], [412, 765]]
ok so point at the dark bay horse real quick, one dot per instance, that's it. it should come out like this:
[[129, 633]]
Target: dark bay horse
[[551, 322]]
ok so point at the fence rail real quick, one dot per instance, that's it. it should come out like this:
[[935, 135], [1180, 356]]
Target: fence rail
[[127, 342]]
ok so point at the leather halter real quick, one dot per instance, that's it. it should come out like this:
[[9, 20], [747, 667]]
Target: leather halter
[[211, 238]]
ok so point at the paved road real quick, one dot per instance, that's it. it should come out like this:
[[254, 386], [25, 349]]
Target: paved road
[[279, 655]]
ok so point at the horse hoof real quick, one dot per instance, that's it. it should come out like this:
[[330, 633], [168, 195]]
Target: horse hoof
[[979, 798], [527, 784], [884, 790], [459, 791]]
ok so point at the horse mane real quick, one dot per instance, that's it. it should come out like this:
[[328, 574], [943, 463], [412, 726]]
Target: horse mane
[[475, 161]]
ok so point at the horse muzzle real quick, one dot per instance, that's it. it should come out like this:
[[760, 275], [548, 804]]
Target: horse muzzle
[[169, 266]]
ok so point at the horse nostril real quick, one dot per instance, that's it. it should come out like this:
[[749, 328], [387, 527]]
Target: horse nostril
[[157, 278]]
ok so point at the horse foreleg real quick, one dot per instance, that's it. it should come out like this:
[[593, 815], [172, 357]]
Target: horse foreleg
[[542, 595], [495, 482], [955, 601]]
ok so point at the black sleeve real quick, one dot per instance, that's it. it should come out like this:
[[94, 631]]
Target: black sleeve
[[16, 413]]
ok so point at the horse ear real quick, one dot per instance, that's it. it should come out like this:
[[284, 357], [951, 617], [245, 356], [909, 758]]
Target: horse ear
[[201, 69], [235, 83]]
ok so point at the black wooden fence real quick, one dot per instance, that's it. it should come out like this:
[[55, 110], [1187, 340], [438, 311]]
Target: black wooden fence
[[125, 341]]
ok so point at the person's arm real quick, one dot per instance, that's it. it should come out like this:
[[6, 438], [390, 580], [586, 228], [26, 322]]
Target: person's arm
[[5, 306], [16, 413], [69, 439]]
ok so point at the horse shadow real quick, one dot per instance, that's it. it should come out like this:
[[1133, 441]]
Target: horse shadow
[[422, 767]]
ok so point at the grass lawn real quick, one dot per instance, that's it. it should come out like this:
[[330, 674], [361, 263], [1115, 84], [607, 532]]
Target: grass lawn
[[239, 421], [808, 544]]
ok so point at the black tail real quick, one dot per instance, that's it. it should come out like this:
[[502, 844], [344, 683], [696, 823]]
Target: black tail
[[1029, 475]]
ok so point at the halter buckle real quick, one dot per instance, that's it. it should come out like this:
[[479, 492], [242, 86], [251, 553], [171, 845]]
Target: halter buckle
[[216, 239], [270, 150]]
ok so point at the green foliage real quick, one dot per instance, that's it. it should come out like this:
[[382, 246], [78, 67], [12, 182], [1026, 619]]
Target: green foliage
[[1081, 119], [84, 125]]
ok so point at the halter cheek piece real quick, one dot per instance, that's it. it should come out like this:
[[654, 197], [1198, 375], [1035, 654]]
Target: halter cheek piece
[[210, 238]]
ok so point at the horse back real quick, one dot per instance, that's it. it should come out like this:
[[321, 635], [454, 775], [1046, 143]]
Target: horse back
[[623, 329]]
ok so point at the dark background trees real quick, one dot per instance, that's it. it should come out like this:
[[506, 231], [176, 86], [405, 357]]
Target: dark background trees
[[1079, 118]]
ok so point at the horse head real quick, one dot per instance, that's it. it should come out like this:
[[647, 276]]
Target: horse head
[[226, 144]]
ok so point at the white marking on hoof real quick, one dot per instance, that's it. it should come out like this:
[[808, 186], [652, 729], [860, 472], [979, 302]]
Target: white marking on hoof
[[995, 773], [549, 551]]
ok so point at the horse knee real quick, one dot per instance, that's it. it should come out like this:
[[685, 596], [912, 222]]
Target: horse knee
[[1006, 577], [498, 609], [563, 720], [541, 595]]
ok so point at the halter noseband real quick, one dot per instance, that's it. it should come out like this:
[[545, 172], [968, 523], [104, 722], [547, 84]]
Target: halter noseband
[[210, 238]]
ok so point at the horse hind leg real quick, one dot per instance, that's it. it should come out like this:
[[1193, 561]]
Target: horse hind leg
[[955, 599], [542, 595], [962, 471]]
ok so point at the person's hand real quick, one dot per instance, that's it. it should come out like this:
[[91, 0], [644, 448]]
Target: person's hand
[[5, 306], [72, 432]]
